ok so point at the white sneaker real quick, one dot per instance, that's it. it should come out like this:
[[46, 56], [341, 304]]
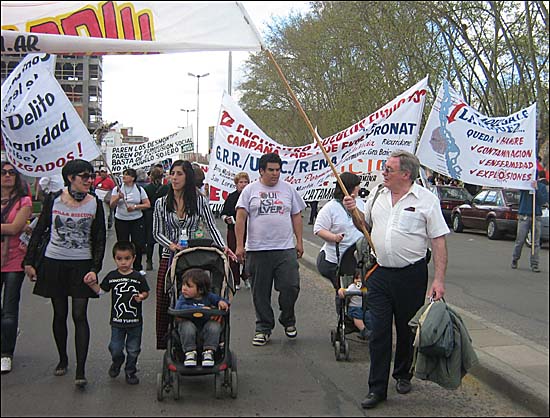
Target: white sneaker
[[190, 359], [237, 287], [260, 339], [208, 358], [6, 364], [247, 284]]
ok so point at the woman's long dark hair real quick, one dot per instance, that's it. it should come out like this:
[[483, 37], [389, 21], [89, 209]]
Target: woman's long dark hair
[[20, 189], [189, 189]]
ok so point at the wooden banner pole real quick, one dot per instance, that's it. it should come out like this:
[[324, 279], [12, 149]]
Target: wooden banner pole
[[356, 212]]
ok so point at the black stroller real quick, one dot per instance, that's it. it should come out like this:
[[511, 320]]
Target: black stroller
[[357, 260], [201, 253]]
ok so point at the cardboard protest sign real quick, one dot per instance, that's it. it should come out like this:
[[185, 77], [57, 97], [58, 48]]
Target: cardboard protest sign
[[463, 144], [40, 127], [361, 148], [148, 153]]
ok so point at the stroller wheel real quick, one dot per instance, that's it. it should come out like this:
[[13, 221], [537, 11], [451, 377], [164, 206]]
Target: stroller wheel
[[332, 336], [346, 351], [234, 384], [160, 387], [218, 385], [337, 349], [175, 385]]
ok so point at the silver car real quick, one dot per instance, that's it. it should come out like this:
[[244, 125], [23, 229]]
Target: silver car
[[544, 228]]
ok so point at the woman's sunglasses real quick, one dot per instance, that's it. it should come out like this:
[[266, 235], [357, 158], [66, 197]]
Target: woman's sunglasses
[[10, 172], [84, 176]]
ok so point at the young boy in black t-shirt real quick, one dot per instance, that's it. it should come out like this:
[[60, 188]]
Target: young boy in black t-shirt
[[128, 289]]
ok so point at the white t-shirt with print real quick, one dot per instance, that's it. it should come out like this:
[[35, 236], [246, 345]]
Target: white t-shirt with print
[[270, 211]]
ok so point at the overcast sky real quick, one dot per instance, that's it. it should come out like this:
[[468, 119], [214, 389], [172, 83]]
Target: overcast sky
[[147, 92]]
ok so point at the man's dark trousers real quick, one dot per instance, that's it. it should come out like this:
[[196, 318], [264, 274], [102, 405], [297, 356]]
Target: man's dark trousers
[[400, 293]]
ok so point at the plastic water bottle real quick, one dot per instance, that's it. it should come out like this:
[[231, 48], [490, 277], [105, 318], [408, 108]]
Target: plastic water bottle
[[184, 239]]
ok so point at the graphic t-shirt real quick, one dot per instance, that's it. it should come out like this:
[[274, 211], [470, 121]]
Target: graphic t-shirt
[[71, 231], [125, 311], [270, 211]]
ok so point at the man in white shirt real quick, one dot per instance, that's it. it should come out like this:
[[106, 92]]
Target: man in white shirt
[[271, 210], [405, 219]]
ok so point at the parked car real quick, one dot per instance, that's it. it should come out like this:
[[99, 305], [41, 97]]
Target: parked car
[[492, 210], [450, 197]]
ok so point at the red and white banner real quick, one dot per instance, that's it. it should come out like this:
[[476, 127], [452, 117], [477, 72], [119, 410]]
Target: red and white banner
[[110, 27], [40, 127], [463, 144], [362, 148]]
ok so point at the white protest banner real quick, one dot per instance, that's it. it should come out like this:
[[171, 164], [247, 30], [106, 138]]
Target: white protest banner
[[40, 127], [361, 149], [463, 144], [148, 153], [110, 27]]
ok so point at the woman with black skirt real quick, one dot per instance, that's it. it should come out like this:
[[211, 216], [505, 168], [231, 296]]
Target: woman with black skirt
[[74, 252]]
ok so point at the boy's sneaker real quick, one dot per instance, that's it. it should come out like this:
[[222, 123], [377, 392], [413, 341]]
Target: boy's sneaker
[[291, 332], [237, 287], [132, 379], [260, 338], [514, 264], [6, 364], [114, 371], [190, 359], [246, 284], [208, 358], [535, 269]]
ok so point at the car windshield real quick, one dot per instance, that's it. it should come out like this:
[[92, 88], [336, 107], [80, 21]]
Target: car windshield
[[454, 193]]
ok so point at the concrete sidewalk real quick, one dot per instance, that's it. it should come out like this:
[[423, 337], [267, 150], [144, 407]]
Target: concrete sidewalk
[[508, 362]]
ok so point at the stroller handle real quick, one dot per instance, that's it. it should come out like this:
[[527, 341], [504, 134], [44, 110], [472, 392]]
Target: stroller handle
[[197, 313]]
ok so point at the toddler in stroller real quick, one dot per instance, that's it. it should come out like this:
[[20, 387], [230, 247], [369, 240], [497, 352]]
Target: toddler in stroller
[[351, 303], [203, 323]]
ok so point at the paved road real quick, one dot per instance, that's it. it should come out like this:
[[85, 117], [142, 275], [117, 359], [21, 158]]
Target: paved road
[[284, 378], [480, 280]]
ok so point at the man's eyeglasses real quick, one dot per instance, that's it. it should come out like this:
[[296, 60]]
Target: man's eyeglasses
[[10, 172], [389, 170], [85, 176]]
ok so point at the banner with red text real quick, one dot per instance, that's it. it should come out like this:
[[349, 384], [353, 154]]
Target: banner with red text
[[463, 144], [110, 27], [40, 127], [362, 148]]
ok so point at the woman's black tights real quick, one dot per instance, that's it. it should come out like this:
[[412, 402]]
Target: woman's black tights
[[82, 331]]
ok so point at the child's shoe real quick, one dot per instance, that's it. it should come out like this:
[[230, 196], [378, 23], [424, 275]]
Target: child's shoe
[[208, 358], [190, 359]]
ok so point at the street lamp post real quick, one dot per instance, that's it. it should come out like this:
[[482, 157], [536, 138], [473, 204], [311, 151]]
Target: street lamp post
[[187, 110], [198, 82]]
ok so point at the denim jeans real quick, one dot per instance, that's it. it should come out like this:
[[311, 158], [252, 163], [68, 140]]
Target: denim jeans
[[525, 224], [129, 338], [11, 289], [209, 334]]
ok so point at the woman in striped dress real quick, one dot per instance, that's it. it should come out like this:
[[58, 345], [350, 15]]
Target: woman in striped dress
[[182, 208]]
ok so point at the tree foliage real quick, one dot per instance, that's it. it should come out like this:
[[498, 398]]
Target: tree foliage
[[344, 60]]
